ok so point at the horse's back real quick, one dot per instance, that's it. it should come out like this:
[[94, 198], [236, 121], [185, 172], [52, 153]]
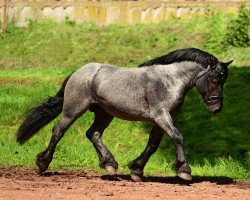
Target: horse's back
[[81, 83]]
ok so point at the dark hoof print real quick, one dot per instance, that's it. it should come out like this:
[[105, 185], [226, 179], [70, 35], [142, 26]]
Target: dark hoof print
[[185, 176]]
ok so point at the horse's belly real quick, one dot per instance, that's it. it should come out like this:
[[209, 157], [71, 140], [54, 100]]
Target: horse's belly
[[123, 111], [128, 116]]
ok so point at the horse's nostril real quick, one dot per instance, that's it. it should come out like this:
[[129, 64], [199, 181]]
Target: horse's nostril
[[215, 108]]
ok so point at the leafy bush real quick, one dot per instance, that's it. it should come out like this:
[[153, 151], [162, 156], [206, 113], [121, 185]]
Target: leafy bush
[[237, 32], [215, 32]]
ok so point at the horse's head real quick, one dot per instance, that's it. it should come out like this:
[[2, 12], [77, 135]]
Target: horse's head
[[209, 84]]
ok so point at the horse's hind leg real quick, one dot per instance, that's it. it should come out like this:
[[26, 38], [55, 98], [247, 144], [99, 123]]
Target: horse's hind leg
[[44, 158], [137, 165], [94, 134], [69, 116]]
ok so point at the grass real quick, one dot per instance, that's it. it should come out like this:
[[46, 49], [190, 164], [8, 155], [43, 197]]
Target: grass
[[35, 60], [48, 45]]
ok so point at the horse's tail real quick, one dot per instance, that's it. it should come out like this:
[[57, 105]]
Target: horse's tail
[[39, 116]]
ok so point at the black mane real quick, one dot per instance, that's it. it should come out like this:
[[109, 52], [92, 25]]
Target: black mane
[[181, 55]]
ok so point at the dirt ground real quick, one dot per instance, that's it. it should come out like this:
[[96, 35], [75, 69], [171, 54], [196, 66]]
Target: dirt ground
[[18, 183]]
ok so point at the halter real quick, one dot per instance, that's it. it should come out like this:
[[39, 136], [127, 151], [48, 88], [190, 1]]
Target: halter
[[208, 97]]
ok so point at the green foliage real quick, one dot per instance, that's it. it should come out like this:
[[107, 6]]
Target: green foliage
[[51, 45], [237, 31], [69, 22], [215, 32], [214, 27]]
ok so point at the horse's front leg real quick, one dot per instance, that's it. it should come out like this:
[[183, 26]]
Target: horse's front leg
[[164, 120]]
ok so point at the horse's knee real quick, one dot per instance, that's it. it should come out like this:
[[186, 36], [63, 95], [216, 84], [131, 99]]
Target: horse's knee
[[177, 138]]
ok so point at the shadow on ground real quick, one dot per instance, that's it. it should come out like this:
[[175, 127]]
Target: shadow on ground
[[19, 173], [220, 180]]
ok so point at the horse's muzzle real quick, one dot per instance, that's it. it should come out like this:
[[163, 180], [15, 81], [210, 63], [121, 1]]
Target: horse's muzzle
[[215, 108]]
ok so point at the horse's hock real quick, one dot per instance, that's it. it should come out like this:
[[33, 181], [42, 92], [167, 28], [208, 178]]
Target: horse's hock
[[105, 12]]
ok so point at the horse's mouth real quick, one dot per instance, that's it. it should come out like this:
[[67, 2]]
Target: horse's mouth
[[215, 108]]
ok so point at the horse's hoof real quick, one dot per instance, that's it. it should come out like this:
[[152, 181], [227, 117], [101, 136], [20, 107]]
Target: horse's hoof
[[111, 170], [38, 170], [136, 178], [185, 176]]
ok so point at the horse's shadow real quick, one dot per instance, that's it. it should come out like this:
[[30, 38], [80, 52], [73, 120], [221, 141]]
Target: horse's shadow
[[220, 180]]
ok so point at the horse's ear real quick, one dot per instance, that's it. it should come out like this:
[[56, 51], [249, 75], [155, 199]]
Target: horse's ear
[[227, 63]]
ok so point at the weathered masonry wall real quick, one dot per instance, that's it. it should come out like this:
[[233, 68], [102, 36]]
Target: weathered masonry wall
[[104, 12]]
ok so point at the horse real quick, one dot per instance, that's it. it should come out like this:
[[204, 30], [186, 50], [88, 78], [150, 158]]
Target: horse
[[152, 92]]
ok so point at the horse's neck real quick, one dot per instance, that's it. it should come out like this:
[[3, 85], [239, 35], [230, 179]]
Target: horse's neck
[[182, 75]]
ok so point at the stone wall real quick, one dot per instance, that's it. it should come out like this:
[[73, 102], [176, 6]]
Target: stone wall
[[104, 12]]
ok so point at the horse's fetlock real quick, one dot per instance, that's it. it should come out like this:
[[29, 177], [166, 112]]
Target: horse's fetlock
[[42, 163], [108, 160], [43, 157], [137, 172], [181, 167], [103, 162]]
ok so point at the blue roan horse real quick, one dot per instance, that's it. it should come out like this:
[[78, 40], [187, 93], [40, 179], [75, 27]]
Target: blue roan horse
[[154, 92]]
